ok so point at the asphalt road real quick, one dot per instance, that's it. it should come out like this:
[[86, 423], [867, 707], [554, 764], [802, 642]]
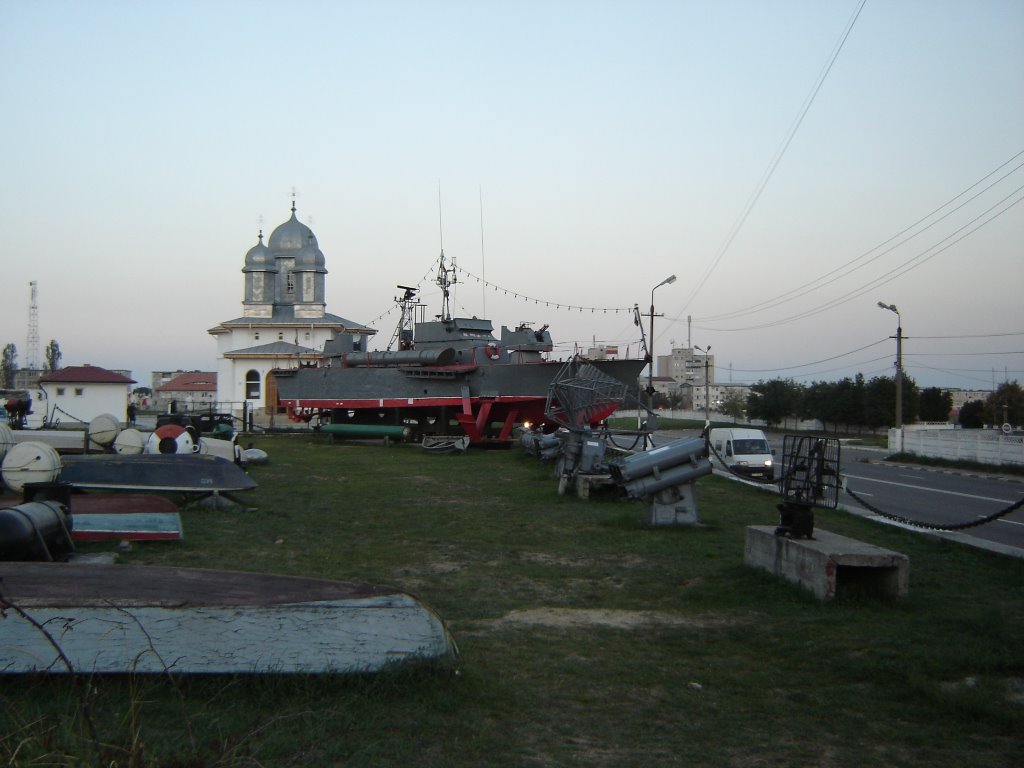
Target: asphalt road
[[937, 496], [934, 496]]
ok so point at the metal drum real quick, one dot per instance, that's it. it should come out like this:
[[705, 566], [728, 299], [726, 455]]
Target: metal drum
[[36, 530]]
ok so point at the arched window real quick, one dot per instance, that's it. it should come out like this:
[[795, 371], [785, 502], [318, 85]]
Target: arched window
[[252, 385]]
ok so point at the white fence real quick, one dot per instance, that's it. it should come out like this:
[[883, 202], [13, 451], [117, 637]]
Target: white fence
[[980, 445]]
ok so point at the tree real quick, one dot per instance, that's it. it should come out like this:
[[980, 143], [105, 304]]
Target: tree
[[817, 402], [1006, 404], [880, 402], [734, 405], [775, 400], [53, 356], [972, 415], [935, 404], [837, 402], [9, 366]]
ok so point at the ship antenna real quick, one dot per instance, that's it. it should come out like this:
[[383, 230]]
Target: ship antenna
[[446, 276], [483, 260]]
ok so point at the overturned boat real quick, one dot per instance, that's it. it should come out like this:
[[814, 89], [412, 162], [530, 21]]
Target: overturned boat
[[450, 375], [112, 619]]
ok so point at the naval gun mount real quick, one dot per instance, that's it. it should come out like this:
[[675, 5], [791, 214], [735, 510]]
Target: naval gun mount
[[665, 477]]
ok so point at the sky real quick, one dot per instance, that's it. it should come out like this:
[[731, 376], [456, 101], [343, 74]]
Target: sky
[[793, 163]]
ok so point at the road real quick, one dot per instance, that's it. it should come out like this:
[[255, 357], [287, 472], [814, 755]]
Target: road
[[930, 495], [936, 496]]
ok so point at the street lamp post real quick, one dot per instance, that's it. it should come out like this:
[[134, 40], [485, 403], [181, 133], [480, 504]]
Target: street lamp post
[[707, 396], [899, 362], [650, 370]]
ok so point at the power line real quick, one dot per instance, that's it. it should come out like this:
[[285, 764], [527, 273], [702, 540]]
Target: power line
[[971, 336], [897, 271], [816, 362], [774, 163], [849, 268]]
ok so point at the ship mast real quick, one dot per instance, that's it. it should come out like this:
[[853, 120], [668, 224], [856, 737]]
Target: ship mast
[[446, 278], [404, 330]]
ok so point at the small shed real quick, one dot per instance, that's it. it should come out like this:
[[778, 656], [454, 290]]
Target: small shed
[[80, 393]]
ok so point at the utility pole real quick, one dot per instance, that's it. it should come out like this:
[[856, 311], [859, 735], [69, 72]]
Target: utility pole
[[899, 361], [707, 385]]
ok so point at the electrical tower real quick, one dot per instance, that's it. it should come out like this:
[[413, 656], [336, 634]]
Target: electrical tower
[[32, 346]]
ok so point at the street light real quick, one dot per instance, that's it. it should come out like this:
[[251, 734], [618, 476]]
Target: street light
[[650, 371], [707, 398], [899, 361]]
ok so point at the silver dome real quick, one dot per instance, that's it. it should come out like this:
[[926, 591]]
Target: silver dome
[[293, 235], [258, 259]]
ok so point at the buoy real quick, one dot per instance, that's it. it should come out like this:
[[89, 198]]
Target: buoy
[[103, 429], [6, 440], [254, 456], [129, 442], [30, 462]]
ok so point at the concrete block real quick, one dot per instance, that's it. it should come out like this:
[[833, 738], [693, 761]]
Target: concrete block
[[586, 484], [829, 564]]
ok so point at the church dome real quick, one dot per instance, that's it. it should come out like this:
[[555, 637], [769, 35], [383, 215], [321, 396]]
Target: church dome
[[310, 258], [258, 259], [293, 235]]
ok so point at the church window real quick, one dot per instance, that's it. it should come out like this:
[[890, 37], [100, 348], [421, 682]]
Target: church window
[[290, 282], [256, 336], [252, 385], [280, 336]]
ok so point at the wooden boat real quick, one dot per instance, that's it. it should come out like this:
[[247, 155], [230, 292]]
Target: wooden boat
[[89, 618], [105, 516]]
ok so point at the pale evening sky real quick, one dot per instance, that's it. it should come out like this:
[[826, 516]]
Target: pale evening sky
[[792, 162]]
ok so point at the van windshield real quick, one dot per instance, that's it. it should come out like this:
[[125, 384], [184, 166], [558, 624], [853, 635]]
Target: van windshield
[[748, 447]]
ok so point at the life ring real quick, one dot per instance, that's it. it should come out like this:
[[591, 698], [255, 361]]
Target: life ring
[[171, 438], [492, 351]]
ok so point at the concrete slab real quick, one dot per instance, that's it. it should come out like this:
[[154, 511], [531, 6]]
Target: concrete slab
[[829, 564]]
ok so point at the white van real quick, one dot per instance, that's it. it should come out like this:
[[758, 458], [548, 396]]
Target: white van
[[744, 451]]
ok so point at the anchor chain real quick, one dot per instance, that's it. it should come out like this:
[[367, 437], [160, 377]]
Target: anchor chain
[[932, 526]]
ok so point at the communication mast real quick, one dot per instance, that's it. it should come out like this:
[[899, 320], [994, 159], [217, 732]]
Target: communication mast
[[32, 345]]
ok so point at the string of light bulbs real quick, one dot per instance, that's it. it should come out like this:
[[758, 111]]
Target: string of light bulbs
[[545, 302]]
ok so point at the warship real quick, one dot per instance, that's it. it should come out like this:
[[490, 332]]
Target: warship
[[450, 376]]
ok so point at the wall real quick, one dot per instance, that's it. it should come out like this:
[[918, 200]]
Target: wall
[[94, 400], [985, 446]]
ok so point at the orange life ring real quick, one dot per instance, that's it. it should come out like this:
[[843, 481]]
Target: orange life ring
[[492, 351]]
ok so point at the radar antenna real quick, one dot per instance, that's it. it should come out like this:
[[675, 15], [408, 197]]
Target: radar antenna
[[407, 304]]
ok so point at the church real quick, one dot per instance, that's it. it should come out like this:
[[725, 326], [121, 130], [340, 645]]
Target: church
[[284, 322]]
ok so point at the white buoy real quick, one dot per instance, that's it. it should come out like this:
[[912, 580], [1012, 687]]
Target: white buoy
[[129, 442], [6, 440], [30, 462], [254, 456], [103, 429]]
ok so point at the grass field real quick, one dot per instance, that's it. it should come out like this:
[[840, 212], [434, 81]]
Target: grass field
[[586, 638]]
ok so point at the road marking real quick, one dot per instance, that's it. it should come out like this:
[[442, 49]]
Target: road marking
[[933, 490]]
